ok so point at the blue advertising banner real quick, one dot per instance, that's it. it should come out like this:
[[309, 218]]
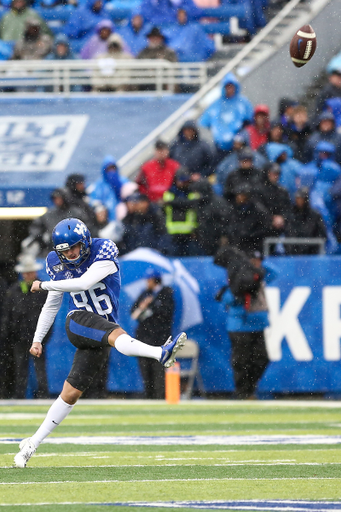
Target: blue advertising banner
[[303, 339]]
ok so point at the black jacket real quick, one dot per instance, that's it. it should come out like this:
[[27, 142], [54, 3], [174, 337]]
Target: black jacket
[[275, 198], [212, 212], [196, 154], [248, 226], [145, 230], [20, 312], [251, 177], [155, 323], [305, 223]]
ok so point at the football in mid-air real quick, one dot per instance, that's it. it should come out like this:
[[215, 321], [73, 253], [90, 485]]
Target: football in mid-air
[[303, 46]]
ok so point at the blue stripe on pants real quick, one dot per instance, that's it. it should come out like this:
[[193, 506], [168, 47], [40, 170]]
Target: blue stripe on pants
[[86, 332]]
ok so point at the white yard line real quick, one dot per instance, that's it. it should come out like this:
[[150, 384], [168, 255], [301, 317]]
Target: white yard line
[[274, 505], [184, 480], [190, 440], [326, 404], [228, 464]]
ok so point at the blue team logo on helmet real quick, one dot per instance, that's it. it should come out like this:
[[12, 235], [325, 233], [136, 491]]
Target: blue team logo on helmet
[[68, 233]]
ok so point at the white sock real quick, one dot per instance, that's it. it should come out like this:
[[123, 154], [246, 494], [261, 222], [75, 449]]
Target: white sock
[[131, 347], [55, 415]]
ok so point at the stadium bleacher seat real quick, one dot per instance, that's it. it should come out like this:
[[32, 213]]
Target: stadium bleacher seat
[[219, 27], [121, 10], [59, 13], [241, 10]]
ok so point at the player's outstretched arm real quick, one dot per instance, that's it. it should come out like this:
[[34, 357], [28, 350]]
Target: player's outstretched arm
[[36, 349], [95, 273]]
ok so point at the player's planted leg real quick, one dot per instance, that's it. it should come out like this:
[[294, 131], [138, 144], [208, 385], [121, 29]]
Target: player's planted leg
[[27, 449], [55, 415]]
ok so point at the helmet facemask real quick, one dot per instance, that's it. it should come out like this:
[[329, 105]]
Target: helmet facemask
[[83, 254]]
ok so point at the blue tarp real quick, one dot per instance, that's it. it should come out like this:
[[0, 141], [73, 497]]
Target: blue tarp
[[304, 344]]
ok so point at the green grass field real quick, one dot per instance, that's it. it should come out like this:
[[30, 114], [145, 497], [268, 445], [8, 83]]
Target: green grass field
[[80, 473]]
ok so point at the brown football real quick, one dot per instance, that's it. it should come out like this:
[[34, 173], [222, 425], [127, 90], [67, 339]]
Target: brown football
[[303, 46]]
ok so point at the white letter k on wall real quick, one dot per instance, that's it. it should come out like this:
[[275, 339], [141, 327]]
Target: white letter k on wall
[[284, 324]]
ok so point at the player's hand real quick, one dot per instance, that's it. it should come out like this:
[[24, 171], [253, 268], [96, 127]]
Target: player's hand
[[35, 286], [36, 349]]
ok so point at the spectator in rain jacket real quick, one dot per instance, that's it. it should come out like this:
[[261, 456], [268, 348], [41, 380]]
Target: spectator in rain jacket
[[244, 174], [135, 33], [231, 162], [84, 19], [275, 198], [304, 222], [322, 168], [319, 176], [282, 155], [335, 194], [192, 152], [246, 310], [13, 23], [77, 196], [227, 115], [189, 40], [276, 134], [258, 131], [334, 106], [34, 45], [144, 226], [298, 132], [61, 49], [156, 47], [98, 43], [333, 88], [157, 175], [286, 110], [105, 193], [248, 221], [40, 229], [326, 130]]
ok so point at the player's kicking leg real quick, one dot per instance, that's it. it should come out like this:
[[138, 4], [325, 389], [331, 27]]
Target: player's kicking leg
[[170, 348]]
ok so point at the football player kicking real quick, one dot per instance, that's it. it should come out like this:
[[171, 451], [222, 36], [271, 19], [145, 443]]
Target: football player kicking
[[89, 271]]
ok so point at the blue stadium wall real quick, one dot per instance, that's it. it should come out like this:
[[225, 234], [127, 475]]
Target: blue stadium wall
[[43, 140], [303, 340]]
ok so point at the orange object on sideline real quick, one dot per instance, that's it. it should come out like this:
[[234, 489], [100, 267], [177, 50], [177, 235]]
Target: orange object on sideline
[[172, 377]]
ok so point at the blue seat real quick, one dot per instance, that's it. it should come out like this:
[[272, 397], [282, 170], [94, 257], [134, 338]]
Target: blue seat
[[6, 49], [219, 27], [58, 13], [118, 11], [241, 10]]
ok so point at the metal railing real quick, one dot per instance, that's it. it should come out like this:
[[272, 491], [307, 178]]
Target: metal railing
[[69, 76], [268, 242]]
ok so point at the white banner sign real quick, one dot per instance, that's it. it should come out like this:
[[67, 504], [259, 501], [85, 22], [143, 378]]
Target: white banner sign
[[39, 143]]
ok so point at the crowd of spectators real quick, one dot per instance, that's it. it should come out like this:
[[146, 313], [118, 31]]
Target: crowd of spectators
[[251, 177], [164, 30], [257, 178], [86, 29]]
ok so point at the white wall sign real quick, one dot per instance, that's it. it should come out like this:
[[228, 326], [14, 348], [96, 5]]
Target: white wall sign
[[39, 143]]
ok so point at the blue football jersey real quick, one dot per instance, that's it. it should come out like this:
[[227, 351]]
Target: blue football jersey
[[103, 297]]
